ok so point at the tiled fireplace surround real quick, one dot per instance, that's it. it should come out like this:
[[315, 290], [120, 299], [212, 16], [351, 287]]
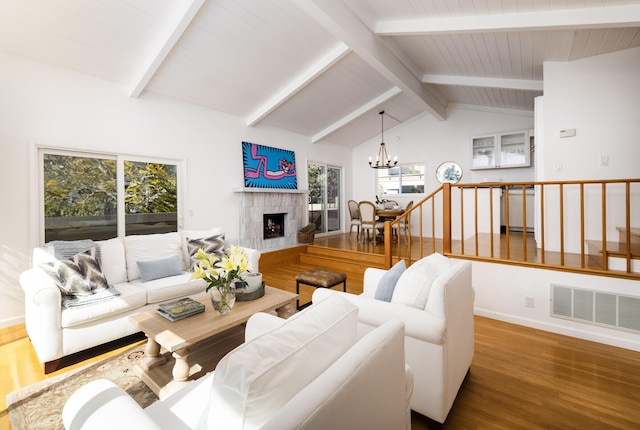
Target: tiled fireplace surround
[[255, 203]]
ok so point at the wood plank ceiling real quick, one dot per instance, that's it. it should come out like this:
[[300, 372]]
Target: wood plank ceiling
[[321, 68]]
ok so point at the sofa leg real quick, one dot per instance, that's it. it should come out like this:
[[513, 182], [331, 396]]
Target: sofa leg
[[423, 420], [51, 366], [434, 425]]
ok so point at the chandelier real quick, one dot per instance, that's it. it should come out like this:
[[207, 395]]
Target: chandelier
[[383, 161]]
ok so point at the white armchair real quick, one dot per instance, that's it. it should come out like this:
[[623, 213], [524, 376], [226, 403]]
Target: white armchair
[[307, 372], [438, 339]]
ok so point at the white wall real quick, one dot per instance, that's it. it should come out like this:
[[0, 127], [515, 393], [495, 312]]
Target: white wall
[[501, 291], [600, 98], [50, 106], [424, 139]]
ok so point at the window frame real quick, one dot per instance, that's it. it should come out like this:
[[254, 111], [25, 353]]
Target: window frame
[[381, 191], [39, 150]]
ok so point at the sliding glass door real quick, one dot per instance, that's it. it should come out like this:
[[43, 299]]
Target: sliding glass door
[[325, 183]]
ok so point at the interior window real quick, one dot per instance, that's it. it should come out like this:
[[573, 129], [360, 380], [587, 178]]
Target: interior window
[[403, 179]]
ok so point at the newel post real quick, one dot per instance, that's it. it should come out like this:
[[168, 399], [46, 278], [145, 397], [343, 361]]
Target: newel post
[[446, 218]]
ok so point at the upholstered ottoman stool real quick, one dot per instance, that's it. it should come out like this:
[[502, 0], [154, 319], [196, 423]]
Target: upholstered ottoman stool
[[319, 278]]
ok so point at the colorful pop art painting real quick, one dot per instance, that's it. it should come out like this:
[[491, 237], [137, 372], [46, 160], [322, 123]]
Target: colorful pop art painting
[[267, 167]]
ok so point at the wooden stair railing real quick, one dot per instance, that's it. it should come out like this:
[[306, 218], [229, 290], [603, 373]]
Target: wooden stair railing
[[575, 215]]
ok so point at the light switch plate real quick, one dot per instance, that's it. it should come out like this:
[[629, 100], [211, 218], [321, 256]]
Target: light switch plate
[[569, 132]]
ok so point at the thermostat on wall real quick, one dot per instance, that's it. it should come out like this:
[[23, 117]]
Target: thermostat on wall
[[569, 132]]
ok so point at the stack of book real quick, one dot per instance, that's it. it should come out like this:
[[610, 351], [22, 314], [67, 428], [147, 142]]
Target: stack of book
[[180, 309]]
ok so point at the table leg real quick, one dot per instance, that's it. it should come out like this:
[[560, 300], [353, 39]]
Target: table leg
[[282, 312], [152, 355], [181, 367]]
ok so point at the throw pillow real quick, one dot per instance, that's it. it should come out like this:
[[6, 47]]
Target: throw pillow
[[414, 284], [79, 276], [389, 280], [211, 245], [159, 268], [66, 249], [256, 379]]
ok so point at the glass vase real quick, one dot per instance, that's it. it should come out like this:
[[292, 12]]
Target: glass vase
[[223, 297]]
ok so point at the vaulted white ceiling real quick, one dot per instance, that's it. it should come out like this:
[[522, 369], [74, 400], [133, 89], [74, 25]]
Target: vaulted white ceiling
[[322, 68]]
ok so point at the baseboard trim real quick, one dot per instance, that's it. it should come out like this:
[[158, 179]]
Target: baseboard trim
[[8, 322], [559, 329]]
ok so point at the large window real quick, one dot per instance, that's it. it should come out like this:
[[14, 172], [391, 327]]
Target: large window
[[404, 179], [90, 196]]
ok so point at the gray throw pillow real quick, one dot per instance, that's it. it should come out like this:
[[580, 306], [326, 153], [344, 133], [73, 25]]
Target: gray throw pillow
[[79, 276], [160, 268], [388, 281], [211, 245], [66, 249]]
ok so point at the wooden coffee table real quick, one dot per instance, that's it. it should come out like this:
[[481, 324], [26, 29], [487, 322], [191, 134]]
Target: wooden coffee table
[[198, 342]]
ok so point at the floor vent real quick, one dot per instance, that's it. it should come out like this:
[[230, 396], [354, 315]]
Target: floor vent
[[596, 307]]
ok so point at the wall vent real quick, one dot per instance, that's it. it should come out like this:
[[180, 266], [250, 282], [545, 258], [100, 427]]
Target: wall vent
[[596, 307]]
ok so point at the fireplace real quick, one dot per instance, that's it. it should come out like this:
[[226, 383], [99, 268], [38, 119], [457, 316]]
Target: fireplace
[[273, 225], [256, 202]]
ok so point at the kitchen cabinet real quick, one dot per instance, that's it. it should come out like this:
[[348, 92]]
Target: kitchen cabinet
[[501, 150]]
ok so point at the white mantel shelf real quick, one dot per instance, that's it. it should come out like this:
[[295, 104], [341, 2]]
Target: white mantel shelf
[[269, 190]]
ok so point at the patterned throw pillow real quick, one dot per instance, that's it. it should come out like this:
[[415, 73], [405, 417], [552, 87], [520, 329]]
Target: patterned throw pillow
[[79, 276], [211, 245]]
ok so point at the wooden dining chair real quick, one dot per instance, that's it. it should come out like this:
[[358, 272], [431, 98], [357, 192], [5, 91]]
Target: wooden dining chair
[[368, 221], [354, 213], [404, 222]]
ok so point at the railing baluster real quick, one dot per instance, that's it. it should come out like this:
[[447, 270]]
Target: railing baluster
[[433, 225], [542, 223], [562, 224], [628, 224], [582, 225], [524, 221], [475, 193], [491, 219], [461, 220], [605, 260], [506, 219]]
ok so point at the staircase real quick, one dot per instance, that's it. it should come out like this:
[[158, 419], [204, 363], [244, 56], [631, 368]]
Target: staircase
[[340, 259], [616, 252]]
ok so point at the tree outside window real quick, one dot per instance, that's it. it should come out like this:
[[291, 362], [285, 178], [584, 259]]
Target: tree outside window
[[81, 198]]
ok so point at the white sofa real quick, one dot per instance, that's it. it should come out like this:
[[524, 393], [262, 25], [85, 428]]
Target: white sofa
[[56, 331], [438, 339], [307, 372]]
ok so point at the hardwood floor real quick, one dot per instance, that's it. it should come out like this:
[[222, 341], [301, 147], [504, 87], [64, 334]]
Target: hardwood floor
[[520, 378]]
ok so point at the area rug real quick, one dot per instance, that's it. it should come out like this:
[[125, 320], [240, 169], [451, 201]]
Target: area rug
[[39, 406]]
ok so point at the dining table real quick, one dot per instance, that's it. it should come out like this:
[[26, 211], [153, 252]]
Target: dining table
[[388, 215]]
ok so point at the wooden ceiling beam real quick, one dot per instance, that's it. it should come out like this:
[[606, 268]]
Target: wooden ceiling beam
[[567, 19], [299, 83], [335, 17], [357, 113], [159, 54], [477, 81]]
